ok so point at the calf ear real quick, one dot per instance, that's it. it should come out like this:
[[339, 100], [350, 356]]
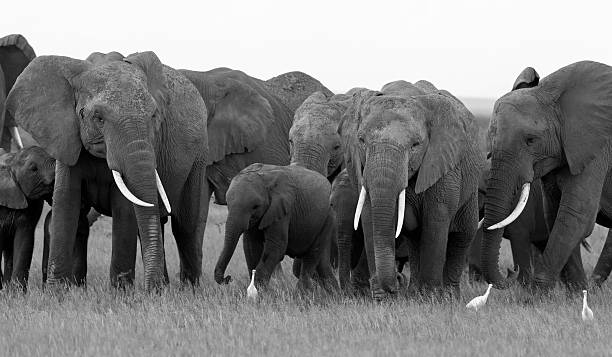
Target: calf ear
[[281, 193], [527, 79], [10, 194]]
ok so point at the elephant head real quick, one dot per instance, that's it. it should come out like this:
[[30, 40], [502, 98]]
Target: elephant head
[[256, 199], [26, 175], [292, 88], [314, 139], [112, 108], [396, 142], [15, 54], [561, 121]]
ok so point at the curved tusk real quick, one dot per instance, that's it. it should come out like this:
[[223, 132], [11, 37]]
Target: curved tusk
[[126, 192], [16, 136], [480, 223], [360, 203], [401, 209], [517, 210], [162, 192]]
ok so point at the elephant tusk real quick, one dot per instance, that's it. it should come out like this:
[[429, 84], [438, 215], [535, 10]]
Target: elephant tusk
[[360, 203], [517, 210], [401, 209], [162, 192], [126, 192], [16, 136], [480, 223]]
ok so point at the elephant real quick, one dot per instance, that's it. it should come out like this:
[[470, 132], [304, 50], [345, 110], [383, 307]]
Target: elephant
[[15, 54], [604, 263], [26, 182], [282, 210], [143, 126], [556, 130], [416, 160]]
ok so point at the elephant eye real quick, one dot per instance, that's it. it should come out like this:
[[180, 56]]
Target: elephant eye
[[34, 168], [255, 207], [488, 155], [415, 144], [530, 141], [81, 113], [98, 120], [337, 147]]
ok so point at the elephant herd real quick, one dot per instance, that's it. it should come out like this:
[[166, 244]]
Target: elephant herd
[[365, 181]]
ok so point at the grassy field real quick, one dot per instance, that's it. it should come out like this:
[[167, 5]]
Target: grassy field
[[222, 321]]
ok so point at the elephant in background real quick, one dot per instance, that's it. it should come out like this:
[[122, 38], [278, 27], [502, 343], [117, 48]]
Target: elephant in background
[[604, 263], [557, 130], [416, 160], [143, 128], [26, 182], [282, 210], [15, 54]]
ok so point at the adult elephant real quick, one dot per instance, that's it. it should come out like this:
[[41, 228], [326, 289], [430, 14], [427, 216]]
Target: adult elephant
[[15, 54], [604, 263], [146, 123], [557, 130], [420, 173]]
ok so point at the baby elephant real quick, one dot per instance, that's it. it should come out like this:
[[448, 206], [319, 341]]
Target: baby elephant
[[26, 181], [282, 210]]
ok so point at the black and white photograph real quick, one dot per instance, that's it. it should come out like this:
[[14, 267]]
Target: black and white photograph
[[320, 178]]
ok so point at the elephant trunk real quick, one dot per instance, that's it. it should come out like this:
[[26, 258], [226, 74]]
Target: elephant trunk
[[345, 241], [498, 204], [383, 185], [311, 156], [233, 230], [139, 169]]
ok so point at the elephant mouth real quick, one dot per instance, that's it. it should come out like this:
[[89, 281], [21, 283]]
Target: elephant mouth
[[97, 148]]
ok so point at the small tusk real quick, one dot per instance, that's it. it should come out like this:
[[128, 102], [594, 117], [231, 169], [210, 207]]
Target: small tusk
[[162, 192], [517, 210], [401, 209], [15, 134], [360, 203], [126, 192], [480, 223]]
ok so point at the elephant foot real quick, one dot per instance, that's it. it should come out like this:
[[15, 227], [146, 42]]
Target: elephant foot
[[359, 285], [596, 281], [380, 294]]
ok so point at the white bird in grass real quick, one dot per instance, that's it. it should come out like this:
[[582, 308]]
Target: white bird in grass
[[252, 290], [479, 301], [587, 313]]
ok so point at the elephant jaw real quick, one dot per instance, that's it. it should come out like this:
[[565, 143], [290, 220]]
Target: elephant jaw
[[401, 203]]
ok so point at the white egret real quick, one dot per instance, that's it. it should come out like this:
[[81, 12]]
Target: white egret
[[479, 301], [252, 290], [587, 313]]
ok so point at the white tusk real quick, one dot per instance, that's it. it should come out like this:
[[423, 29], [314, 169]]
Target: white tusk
[[401, 209], [360, 203], [480, 223], [517, 210], [162, 192], [16, 136], [126, 192]]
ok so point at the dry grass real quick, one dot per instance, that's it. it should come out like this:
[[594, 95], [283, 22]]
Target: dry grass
[[221, 321]]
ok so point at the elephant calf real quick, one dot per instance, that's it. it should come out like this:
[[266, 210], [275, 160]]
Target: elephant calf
[[26, 180], [282, 210]]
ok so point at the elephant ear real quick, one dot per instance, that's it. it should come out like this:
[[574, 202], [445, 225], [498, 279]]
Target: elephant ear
[[10, 194], [15, 55], [527, 79], [448, 123], [43, 102], [238, 119], [98, 58], [348, 129], [585, 100], [149, 63], [281, 193]]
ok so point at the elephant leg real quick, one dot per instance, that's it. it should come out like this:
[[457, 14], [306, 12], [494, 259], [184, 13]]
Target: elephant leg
[[475, 273], [414, 259], [573, 275], [274, 248], [23, 247], [189, 224], [434, 239], [125, 238], [252, 245], [297, 267], [604, 263], [456, 251], [522, 256], [46, 237], [79, 268], [324, 270], [7, 256], [360, 275]]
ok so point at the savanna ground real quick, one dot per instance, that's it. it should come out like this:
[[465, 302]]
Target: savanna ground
[[220, 320]]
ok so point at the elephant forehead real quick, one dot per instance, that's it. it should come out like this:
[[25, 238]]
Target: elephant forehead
[[519, 110], [315, 124], [394, 126]]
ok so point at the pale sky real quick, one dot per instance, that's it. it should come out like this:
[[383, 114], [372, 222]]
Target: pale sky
[[471, 48]]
